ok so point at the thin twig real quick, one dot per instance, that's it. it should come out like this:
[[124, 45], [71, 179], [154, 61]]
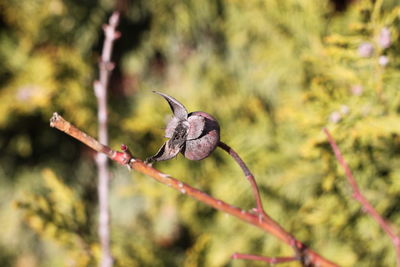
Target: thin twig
[[264, 259], [307, 256], [100, 87], [248, 174], [367, 207]]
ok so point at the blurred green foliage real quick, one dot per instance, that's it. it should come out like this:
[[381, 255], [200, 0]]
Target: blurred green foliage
[[274, 73]]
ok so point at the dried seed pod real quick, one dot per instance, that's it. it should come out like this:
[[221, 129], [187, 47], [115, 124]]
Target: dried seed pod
[[195, 135]]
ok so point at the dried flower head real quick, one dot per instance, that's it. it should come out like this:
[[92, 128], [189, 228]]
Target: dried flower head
[[194, 134]]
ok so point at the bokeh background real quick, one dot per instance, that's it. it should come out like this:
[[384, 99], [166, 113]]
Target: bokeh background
[[273, 72]]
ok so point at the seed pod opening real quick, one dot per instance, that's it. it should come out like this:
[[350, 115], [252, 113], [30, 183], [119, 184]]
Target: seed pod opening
[[205, 130], [195, 135]]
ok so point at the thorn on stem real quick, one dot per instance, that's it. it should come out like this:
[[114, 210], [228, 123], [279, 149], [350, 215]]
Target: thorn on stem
[[107, 65]]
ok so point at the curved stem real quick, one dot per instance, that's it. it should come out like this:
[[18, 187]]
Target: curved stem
[[248, 174]]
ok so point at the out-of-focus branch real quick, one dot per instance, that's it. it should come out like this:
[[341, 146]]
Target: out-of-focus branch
[[367, 207], [305, 255], [100, 88], [264, 259]]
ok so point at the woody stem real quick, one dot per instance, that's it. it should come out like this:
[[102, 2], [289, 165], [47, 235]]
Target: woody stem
[[248, 174]]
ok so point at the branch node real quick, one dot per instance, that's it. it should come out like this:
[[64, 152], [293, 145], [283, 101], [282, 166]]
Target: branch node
[[126, 150], [109, 66], [117, 35]]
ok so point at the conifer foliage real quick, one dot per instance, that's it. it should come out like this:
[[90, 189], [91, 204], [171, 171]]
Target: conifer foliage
[[273, 73]]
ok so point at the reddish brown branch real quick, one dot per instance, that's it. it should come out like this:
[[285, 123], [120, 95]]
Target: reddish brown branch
[[363, 201], [61, 124], [256, 194], [249, 176], [305, 255], [264, 259]]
